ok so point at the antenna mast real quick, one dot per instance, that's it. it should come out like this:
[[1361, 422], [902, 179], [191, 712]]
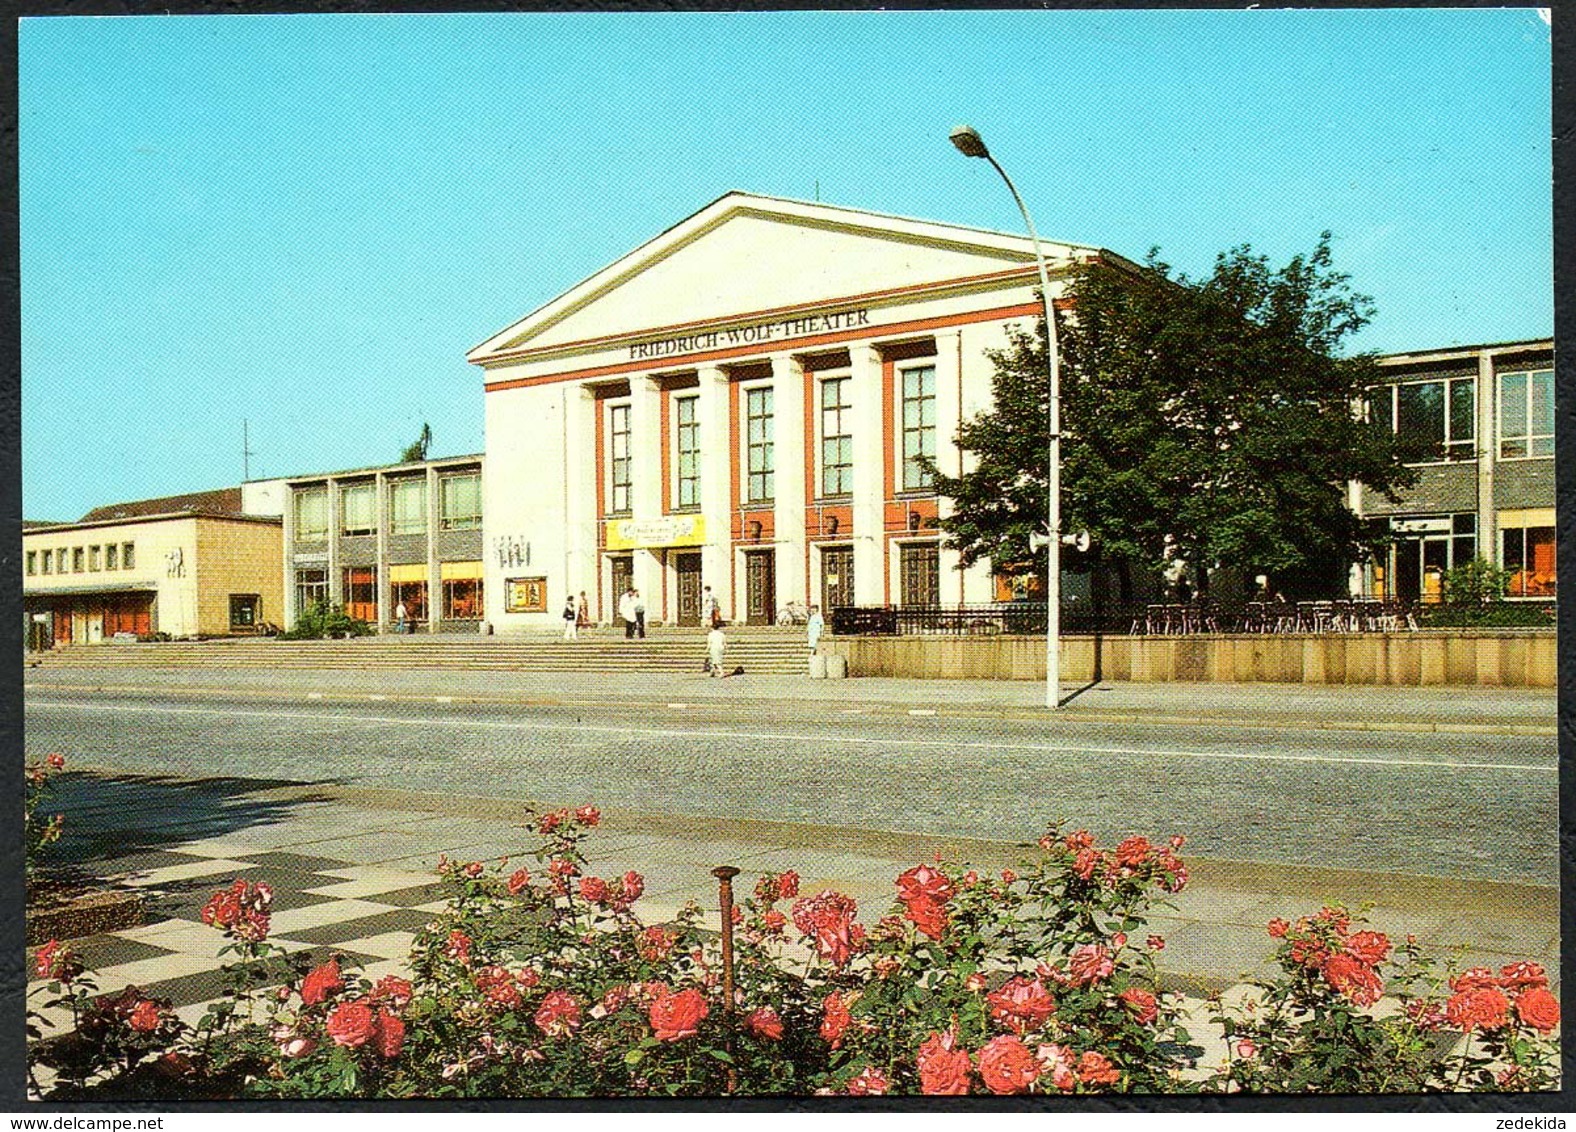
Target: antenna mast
[[246, 450]]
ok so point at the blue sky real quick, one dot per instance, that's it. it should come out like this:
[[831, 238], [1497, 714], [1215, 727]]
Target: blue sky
[[306, 221]]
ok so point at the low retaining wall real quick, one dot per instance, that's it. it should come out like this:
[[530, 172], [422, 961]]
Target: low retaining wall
[[1512, 658]]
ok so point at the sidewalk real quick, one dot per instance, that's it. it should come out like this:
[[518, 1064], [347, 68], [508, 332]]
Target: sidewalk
[[1462, 710], [352, 872]]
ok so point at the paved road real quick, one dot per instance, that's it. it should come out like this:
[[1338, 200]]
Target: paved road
[[1468, 806]]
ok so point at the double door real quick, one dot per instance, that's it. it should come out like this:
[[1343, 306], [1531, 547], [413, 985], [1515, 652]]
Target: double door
[[837, 578], [686, 571], [760, 587]]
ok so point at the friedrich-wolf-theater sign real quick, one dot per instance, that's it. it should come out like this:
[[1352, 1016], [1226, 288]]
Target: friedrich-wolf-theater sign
[[777, 330]]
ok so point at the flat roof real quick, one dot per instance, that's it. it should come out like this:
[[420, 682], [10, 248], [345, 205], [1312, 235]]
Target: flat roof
[[1523, 345], [216, 516], [443, 461], [103, 588]]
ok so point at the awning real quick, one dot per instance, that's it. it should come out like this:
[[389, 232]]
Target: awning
[[459, 571], [104, 590], [411, 572]]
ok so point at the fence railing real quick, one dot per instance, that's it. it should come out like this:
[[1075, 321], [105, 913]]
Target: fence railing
[[1151, 619]]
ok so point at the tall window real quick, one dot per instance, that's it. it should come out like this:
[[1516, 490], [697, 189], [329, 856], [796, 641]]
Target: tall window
[[358, 509], [93, 558], [1528, 553], [462, 591], [837, 441], [1526, 414], [361, 592], [311, 515], [32, 562], [112, 557], [1434, 420], [48, 563], [408, 507], [620, 466], [311, 588], [128, 556], [460, 502], [687, 438], [760, 454], [919, 426], [76, 560]]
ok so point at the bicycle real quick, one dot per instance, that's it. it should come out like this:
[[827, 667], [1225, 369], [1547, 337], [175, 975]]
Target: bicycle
[[793, 614]]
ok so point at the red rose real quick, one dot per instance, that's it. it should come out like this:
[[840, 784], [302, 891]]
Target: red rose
[[1516, 976], [145, 1017], [1133, 852], [1090, 963], [765, 1024], [1278, 928], [1095, 1069], [1007, 1066], [1373, 948], [835, 1019], [1155, 943], [634, 885], [593, 889], [871, 1082], [518, 881], [924, 883], [1483, 1008], [828, 919], [774, 921], [322, 982], [56, 761], [546, 823], [1352, 977], [1538, 1009], [497, 986], [559, 1015], [1141, 1003], [788, 885], [391, 1034], [943, 1070], [1008, 876], [1021, 1004], [929, 916], [1086, 861], [352, 1024], [655, 943], [392, 989], [588, 816], [677, 1016], [459, 947]]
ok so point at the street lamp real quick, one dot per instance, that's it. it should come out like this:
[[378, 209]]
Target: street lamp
[[970, 144]]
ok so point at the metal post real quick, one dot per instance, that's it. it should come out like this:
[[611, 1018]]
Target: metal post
[[725, 875]]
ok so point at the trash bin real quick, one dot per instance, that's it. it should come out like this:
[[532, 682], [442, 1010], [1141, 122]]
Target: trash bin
[[836, 666], [817, 666]]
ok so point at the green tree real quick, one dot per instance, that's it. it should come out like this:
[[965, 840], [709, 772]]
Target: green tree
[[417, 450], [1207, 420]]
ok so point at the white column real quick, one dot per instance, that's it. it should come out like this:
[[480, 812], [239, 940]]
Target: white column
[[492, 603], [380, 516], [870, 558], [789, 449], [1485, 452], [977, 370], [645, 449], [579, 440], [288, 612], [336, 582], [949, 458], [716, 485]]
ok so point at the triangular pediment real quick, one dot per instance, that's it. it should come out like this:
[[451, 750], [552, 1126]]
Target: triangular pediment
[[744, 254]]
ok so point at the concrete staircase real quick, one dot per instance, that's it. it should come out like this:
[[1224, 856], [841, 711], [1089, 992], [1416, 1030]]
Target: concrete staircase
[[762, 650]]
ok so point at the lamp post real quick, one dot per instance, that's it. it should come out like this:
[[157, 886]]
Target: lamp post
[[970, 144]]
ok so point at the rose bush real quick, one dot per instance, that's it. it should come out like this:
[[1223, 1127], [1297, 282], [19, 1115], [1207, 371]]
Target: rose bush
[[545, 980]]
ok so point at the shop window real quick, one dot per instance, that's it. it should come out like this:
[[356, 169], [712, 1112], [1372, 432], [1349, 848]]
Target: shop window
[[311, 588], [919, 426], [760, 454], [414, 596], [128, 558], [1526, 414], [687, 443], [245, 610], [620, 464], [76, 560], [462, 598], [311, 515], [837, 441], [1433, 420], [1528, 553], [408, 507], [94, 560], [361, 592], [112, 557], [460, 502], [32, 562], [358, 509], [1425, 550]]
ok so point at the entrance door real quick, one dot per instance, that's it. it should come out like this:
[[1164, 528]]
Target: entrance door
[[920, 574], [687, 568], [760, 587], [837, 577]]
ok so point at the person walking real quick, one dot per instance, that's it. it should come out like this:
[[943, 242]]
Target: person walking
[[626, 612], [814, 627], [400, 613], [716, 648], [571, 620], [640, 615], [583, 614]]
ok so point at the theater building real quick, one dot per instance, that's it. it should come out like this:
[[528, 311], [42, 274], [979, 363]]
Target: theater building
[[740, 403], [187, 566], [1487, 489], [371, 539]]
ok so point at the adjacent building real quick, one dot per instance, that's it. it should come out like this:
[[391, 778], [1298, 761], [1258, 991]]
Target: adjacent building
[[742, 403], [1487, 492], [183, 565], [372, 539]]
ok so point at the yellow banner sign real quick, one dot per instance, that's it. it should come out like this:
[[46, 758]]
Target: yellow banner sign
[[669, 530]]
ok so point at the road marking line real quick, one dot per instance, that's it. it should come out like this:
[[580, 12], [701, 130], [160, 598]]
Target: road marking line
[[377, 697], [314, 695], [767, 736], [921, 711]]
